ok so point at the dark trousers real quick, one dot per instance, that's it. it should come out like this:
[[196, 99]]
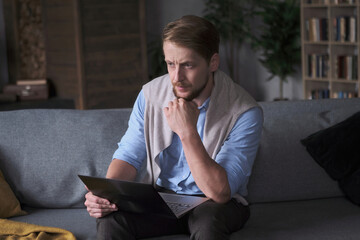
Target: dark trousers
[[208, 221]]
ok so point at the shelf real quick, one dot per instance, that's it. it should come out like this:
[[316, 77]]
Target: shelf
[[50, 103], [342, 5], [346, 81], [315, 5], [307, 42], [317, 79], [327, 5], [344, 43], [336, 43], [331, 57]]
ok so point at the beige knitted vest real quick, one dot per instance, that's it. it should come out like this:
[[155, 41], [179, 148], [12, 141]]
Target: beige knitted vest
[[227, 101]]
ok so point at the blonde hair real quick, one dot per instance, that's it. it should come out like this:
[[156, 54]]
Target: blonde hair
[[194, 33]]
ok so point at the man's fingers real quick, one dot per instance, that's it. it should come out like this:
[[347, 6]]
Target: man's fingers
[[93, 205], [98, 207], [92, 198], [100, 210], [95, 202], [171, 103], [98, 214]]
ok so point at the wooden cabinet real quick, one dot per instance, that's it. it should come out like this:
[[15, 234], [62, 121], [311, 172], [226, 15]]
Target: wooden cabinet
[[96, 50], [330, 48]]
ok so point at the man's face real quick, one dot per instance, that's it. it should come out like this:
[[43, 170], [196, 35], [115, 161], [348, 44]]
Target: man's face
[[190, 73]]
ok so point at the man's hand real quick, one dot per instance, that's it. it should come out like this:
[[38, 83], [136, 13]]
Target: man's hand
[[98, 207], [182, 116], [210, 177]]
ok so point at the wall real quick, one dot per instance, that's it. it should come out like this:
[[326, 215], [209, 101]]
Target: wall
[[252, 74], [4, 76]]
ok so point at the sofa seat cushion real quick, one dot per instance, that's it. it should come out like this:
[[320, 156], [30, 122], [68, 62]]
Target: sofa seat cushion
[[172, 237], [76, 221], [333, 218], [330, 219]]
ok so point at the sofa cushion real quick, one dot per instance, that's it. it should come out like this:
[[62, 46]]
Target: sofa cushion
[[351, 186], [283, 169], [330, 219], [337, 150], [9, 204], [43, 151], [77, 221]]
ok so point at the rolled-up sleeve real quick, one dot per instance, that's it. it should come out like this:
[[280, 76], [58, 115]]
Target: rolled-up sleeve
[[131, 148], [238, 152]]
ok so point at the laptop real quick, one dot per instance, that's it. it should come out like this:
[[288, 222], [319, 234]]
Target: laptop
[[141, 198]]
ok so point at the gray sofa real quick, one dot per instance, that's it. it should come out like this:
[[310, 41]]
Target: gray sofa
[[291, 196]]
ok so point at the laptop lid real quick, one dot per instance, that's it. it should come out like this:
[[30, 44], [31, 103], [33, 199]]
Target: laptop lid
[[128, 196]]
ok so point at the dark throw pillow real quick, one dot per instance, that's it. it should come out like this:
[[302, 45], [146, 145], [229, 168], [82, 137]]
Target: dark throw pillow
[[337, 150]]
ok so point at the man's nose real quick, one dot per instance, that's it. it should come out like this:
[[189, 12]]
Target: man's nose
[[178, 74]]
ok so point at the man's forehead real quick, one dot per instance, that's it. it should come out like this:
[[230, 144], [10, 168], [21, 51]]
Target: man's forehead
[[174, 52]]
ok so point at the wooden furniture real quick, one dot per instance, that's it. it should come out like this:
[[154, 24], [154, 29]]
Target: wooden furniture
[[96, 50], [330, 48], [50, 103]]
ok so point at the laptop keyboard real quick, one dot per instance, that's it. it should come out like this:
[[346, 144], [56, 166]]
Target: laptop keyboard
[[178, 207]]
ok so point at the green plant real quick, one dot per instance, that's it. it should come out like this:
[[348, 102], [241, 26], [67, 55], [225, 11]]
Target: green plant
[[279, 40], [231, 18], [157, 65]]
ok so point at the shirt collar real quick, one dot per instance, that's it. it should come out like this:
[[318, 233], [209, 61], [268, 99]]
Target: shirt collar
[[205, 105]]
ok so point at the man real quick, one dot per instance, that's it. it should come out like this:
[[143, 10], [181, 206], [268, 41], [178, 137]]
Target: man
[[192, 131]]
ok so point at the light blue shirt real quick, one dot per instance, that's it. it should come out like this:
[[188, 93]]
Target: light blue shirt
[[236, 155]]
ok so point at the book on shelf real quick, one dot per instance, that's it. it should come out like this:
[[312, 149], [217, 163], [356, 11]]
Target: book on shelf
[[344, 1], [317, 65], [325, 93], [319, 94], [346, 67], [344, 94], [317, 29], [345, 29], [31, 82], [318, 1]]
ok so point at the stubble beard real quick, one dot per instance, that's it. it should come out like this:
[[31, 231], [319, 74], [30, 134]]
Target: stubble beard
[[194, 93]]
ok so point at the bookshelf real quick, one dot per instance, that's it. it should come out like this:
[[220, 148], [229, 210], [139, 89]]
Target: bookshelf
[[330, 43]]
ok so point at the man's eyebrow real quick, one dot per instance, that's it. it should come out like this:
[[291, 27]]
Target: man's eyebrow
[[181, 63], [187, 62]]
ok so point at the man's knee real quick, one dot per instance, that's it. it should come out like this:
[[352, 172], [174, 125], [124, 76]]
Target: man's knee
[[113, 226], [217, 221]]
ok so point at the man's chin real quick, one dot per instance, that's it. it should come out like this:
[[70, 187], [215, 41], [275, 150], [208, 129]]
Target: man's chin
[[187, 97]]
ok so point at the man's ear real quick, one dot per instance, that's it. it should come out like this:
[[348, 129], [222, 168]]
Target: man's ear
[[214, 62]]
